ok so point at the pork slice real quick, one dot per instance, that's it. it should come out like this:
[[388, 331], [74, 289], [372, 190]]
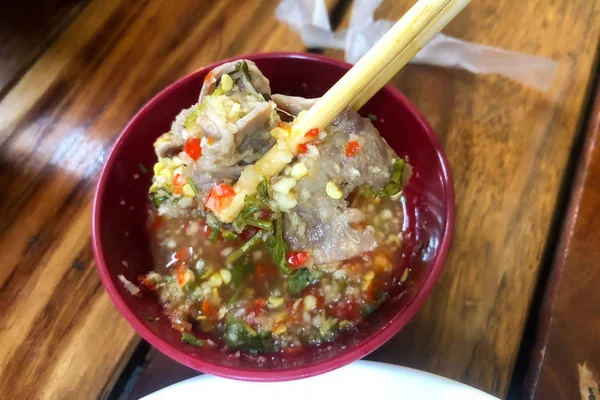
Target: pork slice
[[329, 227], [258, 82]]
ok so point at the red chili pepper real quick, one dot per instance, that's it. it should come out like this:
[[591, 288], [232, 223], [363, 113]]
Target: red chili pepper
[[208, 309], [193, 149], [158, 220], [314, 132], [260, 302], [297, 258], [178, 183], [293, 350], [302, 148], [220, 197], [147, 283], [180, 275], [182, 254], [352, 148]]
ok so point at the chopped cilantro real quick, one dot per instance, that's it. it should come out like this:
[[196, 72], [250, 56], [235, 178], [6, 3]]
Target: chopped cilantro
[[299, 280], [394, 186], [373, 117], [191, 339], [277, 248], [143, 168], [239, 335]]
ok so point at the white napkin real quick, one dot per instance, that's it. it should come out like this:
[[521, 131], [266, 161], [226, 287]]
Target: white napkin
[[310, 19]]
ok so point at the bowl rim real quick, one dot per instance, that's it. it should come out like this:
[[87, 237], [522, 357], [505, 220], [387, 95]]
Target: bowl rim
[[352, 354]]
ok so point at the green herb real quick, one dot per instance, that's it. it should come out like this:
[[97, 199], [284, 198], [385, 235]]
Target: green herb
[[277, 248], [230, 235], [214, 234], [191, 182], [299, 280], [263, 190], [266, 96], [238, 272], [246, 217], [239, 252], [246, 71], [143, 168], [158, 200], [261, 224], [369, 308], [149, 318], [191, 339], [373, 117], [239, 335], [394, 186]]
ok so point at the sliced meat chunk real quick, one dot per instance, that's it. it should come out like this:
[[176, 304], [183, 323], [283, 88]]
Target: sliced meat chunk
[[329, 226]]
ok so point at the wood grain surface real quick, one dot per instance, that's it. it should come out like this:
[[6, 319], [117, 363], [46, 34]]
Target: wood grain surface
[[508, 146], [68, 93], [570, 322], [61, 336]]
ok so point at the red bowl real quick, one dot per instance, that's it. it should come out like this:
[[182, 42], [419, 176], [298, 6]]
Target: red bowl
[[121, 244]]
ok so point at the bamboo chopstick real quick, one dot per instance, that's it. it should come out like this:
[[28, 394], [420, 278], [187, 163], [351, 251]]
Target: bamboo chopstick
[[435, 26], [425, 19]]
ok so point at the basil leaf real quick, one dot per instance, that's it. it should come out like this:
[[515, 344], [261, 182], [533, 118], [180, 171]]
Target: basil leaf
[[158, 200], [246, 216], [277, 248], [299, 280], [263, 190], [191, 339], [394, 186], [239, 335]]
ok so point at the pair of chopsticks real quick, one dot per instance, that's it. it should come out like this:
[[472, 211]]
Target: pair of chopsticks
[[392, 52], [385, 59]]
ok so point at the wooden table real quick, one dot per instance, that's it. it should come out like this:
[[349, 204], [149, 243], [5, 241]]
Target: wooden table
[[73, 72]]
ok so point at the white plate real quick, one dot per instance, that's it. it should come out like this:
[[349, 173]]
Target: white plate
[[364, 380]]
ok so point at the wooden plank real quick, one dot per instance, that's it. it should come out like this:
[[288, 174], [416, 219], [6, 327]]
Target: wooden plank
[[27, 29], [569, 323], [62, 337], [508, 147]]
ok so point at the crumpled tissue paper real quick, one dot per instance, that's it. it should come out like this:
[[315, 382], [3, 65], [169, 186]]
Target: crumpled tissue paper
[[310, 19]]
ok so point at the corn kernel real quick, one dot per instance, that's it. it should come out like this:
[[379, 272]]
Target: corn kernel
[[279, 133], [280, 329], [166, 173], [225, 275], [226, 83], [188, 191], [404, 275], [369, 276], [275, 302], [159, 166], [188, 276], [333, 190], [310, 302], [215, 280], [365, 285], [298, 171]]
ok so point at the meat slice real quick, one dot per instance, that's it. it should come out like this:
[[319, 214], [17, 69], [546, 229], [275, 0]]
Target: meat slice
[[257, 84], [328, 226]]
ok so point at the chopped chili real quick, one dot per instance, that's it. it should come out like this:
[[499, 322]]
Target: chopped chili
[[352, 148], [193, 149]]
